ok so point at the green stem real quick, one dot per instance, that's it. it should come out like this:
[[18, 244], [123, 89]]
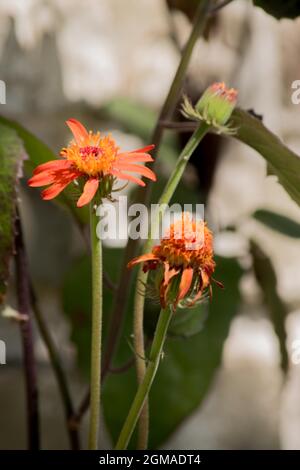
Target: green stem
[[145, 386], [96, 331], [138, 327]]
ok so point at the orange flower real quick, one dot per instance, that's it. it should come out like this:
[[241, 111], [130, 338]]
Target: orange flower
[[95, 158], [183, 260]]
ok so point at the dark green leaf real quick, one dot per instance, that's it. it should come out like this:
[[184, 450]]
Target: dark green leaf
[[189, 8], [12, 154], [187, 370], [278, 222], [283, 162], [189, 321], [280, 8], [266, 278]]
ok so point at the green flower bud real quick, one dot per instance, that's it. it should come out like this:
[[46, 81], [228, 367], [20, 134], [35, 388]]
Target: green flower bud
[[217, 103]]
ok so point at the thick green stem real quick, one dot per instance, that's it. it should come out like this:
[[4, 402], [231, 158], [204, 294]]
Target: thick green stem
[[139, 302], [145, 386], [96, 331]]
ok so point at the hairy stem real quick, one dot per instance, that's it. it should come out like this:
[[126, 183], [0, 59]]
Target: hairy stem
[[96, 331], [145, 386], [23, 295]]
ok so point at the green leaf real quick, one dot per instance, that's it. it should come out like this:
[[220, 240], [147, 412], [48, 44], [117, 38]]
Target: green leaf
[[278, 222], [282, 161], [266, 278], [279, 8], [12, 154], [39, 153], [187, 370], [189, 321]]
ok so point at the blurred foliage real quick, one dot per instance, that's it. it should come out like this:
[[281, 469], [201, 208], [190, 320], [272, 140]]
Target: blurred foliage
[[189, 8], [266, 278], [278, 222], [189, 321], [12, 154], [140, 120], [280, 8], [282, 161], [277, 8]]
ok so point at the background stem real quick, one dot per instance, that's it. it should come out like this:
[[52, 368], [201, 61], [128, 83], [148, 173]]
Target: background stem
[[58, 372], [145, 386], [96, 331], [23, 295]]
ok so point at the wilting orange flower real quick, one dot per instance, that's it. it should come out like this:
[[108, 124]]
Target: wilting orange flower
[[185, 255], [96, 159]]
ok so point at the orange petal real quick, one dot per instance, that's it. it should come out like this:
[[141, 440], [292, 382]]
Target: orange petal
[[142, 170], [185, 283], [52, 165], [168, 275], [148, 148], [42, 179], [78, 130], [142, 259], [89, 191], [124, 176], [54, 190], [134, 157]]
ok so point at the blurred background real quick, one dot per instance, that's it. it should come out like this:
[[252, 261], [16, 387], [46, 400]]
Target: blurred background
[[109, 63]]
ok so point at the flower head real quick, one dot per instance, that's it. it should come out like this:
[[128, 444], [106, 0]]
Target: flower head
[[214, 107], [183, 262], [94, 159]]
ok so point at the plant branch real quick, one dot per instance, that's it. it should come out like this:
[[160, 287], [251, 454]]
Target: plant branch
[[58, 372], [23, 295]]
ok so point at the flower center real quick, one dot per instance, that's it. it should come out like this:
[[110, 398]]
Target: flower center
[[90, 151], [187, 244], [95, 156]]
